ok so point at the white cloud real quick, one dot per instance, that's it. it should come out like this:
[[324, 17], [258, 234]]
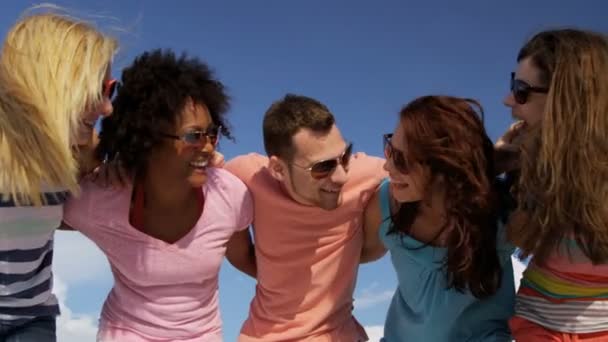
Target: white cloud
[[370, 297], [77, 260], [72, 327], [374, 332]]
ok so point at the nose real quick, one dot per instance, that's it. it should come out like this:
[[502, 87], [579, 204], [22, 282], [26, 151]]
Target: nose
[[509, 100], [206, 145], [386, 166], [340, 175]]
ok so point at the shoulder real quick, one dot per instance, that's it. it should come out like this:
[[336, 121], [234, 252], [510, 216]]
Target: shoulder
[[364, 165], [364, 176], [94, 197], [245, 166], [226, 180], [230, 196]]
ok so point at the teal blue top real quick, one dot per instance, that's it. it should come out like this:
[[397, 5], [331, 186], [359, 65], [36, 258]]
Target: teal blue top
[[424, 309]]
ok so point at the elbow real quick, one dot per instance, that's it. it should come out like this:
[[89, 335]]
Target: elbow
[[370, 255]]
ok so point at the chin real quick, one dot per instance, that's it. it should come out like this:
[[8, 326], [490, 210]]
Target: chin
[[198, 180], [406, 198], [331, 205]]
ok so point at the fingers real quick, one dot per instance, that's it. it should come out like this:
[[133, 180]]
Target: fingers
[[510, 141]]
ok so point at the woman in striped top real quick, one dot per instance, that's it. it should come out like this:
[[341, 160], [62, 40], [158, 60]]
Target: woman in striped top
[[54, 83], [560, 93]]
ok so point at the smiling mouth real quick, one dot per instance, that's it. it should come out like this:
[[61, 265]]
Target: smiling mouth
[[337, 191], [88, 124], [200, 164]]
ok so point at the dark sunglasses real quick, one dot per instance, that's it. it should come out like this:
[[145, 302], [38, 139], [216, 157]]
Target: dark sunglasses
[[395, 155], [521, 90], [324, 168], [108, 88], [211, 135]]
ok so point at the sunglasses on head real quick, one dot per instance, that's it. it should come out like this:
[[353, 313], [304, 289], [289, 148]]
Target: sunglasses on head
[[109, 87], [324, 168], [199, 137], [395, 155], [521, 90]]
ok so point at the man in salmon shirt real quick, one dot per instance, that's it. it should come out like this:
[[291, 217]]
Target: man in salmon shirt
[[309, 195]]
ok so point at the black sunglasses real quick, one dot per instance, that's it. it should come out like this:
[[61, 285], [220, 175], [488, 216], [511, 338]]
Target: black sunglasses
[[395, 155], [324, 168], [521, 90], [211, 135]]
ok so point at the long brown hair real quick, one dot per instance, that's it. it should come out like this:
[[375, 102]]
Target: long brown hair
[[447, 135], [563, 186]]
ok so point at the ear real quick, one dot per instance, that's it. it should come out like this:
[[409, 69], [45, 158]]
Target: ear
[[277, 168]]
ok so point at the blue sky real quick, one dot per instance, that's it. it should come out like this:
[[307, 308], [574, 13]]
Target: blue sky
[[363, 59]]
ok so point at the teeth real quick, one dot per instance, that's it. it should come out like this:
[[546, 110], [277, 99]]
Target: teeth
[[202, 163]]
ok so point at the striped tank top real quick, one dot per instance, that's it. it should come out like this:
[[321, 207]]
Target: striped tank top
[[567, 294], [26, 255]]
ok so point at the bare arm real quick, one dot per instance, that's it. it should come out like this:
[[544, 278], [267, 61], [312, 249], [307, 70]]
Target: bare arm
[[240, 253], [373, 249]]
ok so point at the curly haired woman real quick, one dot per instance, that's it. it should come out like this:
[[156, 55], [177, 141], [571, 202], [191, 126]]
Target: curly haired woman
[[166, 231]]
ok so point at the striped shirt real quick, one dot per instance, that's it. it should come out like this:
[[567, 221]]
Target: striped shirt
[[567, 294], [26, 255]]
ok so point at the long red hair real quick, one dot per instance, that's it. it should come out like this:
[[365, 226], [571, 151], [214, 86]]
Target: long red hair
[[447, 135]]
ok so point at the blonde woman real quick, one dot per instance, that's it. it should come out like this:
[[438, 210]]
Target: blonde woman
[[54, 84], [559, 92]]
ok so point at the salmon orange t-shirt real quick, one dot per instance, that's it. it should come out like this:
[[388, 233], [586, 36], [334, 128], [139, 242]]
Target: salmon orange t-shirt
[[307, 257]]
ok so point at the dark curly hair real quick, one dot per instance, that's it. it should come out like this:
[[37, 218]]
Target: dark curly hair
[[154, 91], [447, 135]]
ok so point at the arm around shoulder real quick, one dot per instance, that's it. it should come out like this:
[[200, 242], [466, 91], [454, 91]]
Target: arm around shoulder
[[373, 248], [240, 250]]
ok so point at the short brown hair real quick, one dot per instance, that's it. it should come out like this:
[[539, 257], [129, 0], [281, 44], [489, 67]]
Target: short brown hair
[[287, 116]]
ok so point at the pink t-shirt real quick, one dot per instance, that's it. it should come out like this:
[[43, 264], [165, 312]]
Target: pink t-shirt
[[162, 292], [307, 257]]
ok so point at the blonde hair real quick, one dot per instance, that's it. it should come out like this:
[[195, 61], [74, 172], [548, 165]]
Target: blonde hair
[[51, 70], [563, 188]]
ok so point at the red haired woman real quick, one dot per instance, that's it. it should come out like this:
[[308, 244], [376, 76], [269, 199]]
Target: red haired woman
[[438, 215]]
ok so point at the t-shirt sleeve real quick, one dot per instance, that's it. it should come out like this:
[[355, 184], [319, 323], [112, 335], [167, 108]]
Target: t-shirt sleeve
[[368, 172], [373, 167], [243, 166], [78, 210], [242, 205]]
